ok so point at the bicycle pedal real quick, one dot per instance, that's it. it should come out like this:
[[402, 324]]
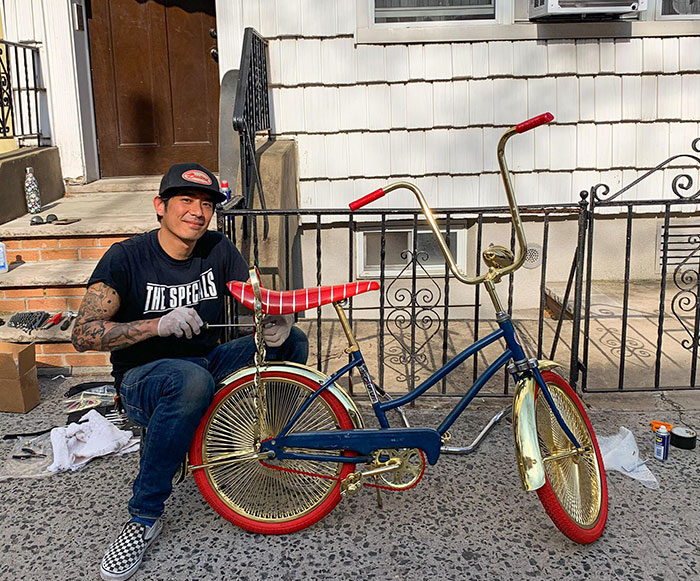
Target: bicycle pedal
[[351, 483]]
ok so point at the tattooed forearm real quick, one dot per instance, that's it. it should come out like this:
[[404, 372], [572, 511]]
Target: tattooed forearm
[[108, 336], [93, 329]]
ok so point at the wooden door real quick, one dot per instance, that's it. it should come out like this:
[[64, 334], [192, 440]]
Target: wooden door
[[155, 84]]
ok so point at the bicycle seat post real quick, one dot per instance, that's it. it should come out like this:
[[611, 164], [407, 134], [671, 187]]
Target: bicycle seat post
[[352, 342]]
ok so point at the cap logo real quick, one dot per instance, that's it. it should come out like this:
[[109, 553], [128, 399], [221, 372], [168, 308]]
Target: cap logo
[[197, 176]]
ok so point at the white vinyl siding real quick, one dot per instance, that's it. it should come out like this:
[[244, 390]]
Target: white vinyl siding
[[432, 111]]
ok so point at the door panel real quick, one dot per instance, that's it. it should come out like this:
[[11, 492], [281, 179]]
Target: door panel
[[186, 44], [156, 86]]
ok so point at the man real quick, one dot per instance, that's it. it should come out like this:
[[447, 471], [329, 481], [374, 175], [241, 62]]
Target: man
[[147, 302]]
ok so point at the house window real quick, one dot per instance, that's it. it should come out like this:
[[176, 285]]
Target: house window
[[392, 11], [671, 8], [442, 21], [397, 248]]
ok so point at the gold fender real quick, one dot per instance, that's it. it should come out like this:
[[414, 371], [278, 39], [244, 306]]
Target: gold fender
[[527, 451], [547, 364], [310, 373]]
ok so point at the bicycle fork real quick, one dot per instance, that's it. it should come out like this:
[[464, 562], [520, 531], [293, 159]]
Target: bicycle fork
[[530, 461]]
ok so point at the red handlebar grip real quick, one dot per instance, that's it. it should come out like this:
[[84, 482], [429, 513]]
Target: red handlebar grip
[[364, 200], [534, 122]]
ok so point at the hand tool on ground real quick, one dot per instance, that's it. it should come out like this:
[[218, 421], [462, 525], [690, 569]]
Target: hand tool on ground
[[39, 321], [28, 453], [69, 316], [28, 320], [53, 321]]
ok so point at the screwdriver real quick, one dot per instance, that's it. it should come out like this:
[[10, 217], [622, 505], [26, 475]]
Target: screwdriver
[[53, 321]]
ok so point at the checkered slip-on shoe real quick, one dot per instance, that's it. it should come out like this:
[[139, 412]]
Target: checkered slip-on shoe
[[125, 554]]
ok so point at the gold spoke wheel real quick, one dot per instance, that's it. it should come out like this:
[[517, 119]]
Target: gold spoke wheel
[[575, 495], [270, 496]]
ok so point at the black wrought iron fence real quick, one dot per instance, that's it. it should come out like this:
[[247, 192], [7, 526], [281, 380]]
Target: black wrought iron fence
[[641, 326], [421, 317], [20, 92]]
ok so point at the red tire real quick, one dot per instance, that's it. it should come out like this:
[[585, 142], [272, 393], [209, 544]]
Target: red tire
[[575, 494], [271, 497]]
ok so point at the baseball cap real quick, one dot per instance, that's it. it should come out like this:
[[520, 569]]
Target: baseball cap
[[190, 176]]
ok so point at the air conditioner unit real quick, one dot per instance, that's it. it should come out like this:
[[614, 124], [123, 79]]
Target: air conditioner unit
[[540, 9]]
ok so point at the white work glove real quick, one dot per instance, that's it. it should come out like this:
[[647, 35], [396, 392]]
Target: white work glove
[[179, 321], [276, 329]]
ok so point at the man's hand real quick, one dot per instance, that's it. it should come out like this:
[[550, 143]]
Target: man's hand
[[276, 329], [179, 321]]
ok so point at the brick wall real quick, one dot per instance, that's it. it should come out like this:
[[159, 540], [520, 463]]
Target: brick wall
[[65, 355], [73, 248], [41, 299]]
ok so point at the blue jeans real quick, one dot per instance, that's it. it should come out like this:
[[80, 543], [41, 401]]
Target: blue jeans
[[170, 396]]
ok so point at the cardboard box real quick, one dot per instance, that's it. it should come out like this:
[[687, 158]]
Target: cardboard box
[[19, 386]]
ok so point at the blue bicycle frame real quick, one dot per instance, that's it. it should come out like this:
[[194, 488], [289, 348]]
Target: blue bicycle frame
[[364, 442]]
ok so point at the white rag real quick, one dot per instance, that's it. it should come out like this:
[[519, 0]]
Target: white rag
[[77, 444], [620, 452]]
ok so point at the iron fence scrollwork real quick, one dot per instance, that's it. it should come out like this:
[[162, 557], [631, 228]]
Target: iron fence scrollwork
[[686, 277], [411, 310]]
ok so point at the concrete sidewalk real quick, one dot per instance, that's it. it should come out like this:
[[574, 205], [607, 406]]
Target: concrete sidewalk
[[467, 519]]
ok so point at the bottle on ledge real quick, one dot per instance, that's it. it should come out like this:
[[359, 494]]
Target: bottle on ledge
[[31, 192]]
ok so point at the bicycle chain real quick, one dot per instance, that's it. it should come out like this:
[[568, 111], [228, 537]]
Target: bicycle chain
[[259, 400], [323, 476]]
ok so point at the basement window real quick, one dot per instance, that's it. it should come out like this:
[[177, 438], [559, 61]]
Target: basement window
[[398, 247]]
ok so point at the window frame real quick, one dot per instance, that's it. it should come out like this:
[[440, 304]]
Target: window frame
[[363, 271], [499, 17], [507, 27], [671, 17]]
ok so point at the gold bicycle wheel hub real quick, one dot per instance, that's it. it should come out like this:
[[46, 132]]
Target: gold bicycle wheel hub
[[261, 490], [574, 477]]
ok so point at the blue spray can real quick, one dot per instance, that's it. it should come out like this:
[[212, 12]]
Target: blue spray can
[[4, 267], [661, 443]]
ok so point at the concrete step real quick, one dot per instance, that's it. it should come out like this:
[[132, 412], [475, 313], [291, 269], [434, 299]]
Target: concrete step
[[45, 275], [123, 213], [114, 185]]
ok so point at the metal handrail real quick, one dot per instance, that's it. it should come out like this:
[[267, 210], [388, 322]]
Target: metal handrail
[[252, 90], [19, 98], [251, 113]]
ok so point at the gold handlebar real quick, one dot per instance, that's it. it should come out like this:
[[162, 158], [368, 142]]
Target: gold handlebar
[[499, 259], [494, 274]]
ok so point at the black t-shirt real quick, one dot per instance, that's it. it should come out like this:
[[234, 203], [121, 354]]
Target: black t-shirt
[[150, 284]]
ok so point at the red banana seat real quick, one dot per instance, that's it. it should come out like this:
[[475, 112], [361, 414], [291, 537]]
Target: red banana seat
[[287, 302]]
